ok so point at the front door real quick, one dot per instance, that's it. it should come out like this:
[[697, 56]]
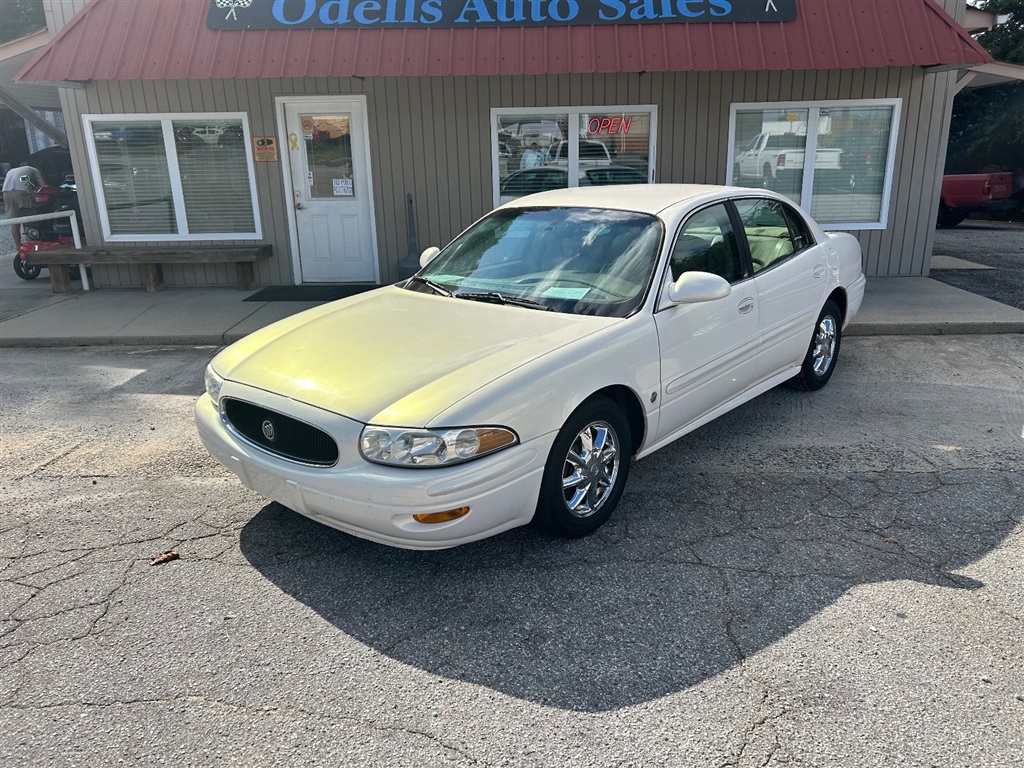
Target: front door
[[328, 165], [708, 350]]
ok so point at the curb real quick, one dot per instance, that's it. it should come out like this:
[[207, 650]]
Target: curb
[[121, 341], [935, 329]]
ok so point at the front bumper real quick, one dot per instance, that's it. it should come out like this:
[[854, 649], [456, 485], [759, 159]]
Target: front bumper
[[376, 502]]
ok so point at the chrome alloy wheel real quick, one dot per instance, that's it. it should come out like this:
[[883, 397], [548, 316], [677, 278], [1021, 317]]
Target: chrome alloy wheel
[[824, 345], [590, 469]]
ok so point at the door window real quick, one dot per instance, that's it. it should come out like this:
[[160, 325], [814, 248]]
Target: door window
[[328, 148], [767, 231], [798, 229], [707, 243]]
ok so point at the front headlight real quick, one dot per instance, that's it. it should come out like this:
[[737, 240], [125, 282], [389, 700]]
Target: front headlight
[[213, 384], [401, 447]]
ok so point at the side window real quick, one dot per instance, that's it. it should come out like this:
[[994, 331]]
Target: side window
[[798, 229], [767, 230], [707, 243]]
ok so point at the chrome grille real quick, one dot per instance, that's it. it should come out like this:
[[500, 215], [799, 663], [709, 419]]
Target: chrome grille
[[281, 435]]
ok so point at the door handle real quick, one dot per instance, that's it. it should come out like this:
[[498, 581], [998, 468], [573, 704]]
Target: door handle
[[818, 271], [300, 207], [746, 305]]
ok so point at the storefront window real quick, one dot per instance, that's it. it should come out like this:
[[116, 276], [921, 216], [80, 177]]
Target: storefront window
[[832, 159], [527, 144], [549, 149], [854, 190], [179, 178]]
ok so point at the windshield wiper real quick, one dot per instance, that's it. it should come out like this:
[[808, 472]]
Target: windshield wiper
[[435, 287], [500, 298]]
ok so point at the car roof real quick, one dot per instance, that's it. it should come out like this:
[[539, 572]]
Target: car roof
[[642, 198]]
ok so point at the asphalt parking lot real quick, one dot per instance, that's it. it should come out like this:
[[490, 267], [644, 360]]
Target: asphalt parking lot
[[996, 251], [815, 579], [827, 579]]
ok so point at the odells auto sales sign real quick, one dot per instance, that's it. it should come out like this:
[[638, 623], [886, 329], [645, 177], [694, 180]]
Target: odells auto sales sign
[[425, 14]]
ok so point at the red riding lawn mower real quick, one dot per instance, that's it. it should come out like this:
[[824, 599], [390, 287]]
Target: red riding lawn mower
[[49, 233]]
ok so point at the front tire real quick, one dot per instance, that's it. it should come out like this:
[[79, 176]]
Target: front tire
[[586, 470], [23, 270], [823, 353]]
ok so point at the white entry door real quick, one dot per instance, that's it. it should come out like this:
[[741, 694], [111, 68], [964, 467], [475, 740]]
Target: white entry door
[[328, 162]]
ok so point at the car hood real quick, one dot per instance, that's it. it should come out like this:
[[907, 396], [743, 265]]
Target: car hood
[[396, 357]]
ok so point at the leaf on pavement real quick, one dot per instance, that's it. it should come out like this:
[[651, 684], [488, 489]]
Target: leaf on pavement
[[164, 557]]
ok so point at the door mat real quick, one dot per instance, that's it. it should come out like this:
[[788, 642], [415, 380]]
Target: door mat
[[310, 292]]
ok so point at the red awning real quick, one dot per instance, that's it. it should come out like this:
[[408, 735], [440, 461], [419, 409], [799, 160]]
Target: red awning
[[169, 40]]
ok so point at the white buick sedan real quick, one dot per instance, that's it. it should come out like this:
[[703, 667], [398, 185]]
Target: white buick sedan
[[517, 375]]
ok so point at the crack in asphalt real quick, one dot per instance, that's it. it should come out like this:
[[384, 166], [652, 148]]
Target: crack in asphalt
[[51, 460]]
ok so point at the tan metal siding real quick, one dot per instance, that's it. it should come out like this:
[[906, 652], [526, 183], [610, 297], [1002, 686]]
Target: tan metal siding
[[431, 137]]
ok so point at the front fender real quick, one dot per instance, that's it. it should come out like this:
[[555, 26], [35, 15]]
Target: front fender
[[538, 398]]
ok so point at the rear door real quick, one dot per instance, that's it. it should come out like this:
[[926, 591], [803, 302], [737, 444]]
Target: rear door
[[790, 276]]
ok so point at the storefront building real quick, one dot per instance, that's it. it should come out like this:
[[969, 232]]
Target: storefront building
[[350, 134]]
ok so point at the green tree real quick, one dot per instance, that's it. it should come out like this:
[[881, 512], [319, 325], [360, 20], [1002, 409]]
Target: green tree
[[987, 129], [1006, 41], [19, 18]]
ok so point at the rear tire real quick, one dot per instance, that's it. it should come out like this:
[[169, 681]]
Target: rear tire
[[950, 217], [823, 353], [586, 470], [23, 270]]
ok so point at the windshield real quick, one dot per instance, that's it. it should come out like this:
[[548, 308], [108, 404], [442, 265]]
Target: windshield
[[583, 261]]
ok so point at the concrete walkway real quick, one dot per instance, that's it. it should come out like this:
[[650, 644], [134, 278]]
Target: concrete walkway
[[216, 316]]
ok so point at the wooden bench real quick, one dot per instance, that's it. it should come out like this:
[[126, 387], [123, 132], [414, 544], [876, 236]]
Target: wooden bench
[[150, 258]]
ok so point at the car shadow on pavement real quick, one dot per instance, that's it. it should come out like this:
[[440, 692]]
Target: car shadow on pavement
[[693, 574]]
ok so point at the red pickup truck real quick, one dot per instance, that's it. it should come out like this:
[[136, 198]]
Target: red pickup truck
[[964, 193]]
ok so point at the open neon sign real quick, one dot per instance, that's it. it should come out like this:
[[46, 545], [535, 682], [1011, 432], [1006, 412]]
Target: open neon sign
[[609, 125]]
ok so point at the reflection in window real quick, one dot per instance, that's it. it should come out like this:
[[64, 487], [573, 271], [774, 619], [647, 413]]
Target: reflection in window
[[174, 177], [537, 152], [619, 140], [848, 172], [531, 180], [526, 141], [772, 154]]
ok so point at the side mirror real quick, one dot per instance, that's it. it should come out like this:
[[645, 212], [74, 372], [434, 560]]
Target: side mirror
[[428, 255], [698, 287]]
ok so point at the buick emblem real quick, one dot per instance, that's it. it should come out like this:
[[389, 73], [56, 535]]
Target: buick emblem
[[269, 431]]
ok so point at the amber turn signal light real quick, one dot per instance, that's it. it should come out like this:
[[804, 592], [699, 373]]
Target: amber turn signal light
[[442, 517]]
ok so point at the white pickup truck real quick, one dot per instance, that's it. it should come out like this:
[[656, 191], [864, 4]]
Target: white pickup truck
[[591, 153], [770, 157]]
